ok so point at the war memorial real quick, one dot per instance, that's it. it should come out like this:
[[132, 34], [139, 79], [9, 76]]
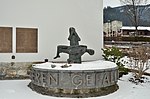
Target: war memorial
[[74, 78], [65, 38]]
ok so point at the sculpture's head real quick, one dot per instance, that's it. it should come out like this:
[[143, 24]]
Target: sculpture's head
[[71, 29]]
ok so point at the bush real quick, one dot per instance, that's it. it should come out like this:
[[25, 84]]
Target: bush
[[122, 71], [114, 55], [139, 60], [132, 39]]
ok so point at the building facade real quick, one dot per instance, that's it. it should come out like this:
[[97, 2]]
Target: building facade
[[112, 29], [130, 31], [30, 30]]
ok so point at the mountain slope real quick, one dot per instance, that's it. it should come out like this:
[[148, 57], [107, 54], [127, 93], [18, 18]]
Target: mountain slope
[[118, 13]]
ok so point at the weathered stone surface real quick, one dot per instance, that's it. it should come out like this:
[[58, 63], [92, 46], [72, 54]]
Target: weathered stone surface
[[74, 93], [64, 80], [74, 81], [14, 69]]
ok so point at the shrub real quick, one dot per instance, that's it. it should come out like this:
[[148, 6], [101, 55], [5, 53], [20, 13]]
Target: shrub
[[135, 39], [114, 55], [139, 60]]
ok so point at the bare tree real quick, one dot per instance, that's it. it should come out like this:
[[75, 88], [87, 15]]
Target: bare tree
[[139, 60], [134, 9]]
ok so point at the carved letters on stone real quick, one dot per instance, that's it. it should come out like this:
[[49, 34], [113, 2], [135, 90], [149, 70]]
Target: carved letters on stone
[[78, 80]]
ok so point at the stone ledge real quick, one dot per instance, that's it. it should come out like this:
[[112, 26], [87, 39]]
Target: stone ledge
[[15, 78], [74, 93], [15, 70], [71, 82]]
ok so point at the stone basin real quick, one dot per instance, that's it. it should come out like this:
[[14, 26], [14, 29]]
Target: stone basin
[[88, 79]]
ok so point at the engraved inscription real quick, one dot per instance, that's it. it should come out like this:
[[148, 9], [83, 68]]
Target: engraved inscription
[[75, 80]]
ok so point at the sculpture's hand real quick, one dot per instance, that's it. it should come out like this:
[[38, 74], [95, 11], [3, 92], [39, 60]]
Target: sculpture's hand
[[90, 51]]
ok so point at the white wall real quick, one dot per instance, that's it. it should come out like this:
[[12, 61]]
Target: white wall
[[53, 19]]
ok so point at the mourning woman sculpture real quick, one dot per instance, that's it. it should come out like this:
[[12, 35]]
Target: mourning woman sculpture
[[75, 50]]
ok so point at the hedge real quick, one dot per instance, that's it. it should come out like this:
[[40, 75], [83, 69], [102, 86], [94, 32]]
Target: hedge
[[135, 39]]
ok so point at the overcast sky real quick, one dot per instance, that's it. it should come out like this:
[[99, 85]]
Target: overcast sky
[[113, 3]]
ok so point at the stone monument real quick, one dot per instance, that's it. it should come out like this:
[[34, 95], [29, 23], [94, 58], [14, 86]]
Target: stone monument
[[86, 79], [75, 50]]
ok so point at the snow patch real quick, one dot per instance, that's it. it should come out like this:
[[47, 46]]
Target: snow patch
[[17, 89], [93, 65]]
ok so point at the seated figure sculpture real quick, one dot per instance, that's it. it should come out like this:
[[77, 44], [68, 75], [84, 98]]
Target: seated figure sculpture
[[75, 50]]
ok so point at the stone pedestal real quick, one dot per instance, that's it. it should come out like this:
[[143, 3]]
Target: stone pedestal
[[74, 83]]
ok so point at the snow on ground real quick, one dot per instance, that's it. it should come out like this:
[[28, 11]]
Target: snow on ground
[[17, 89], [126, 61]]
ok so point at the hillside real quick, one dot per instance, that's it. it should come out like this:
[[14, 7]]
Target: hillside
[[118, 13]]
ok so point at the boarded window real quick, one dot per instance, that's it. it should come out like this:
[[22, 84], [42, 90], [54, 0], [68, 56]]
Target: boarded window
[[26, 40], [5, 39]]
